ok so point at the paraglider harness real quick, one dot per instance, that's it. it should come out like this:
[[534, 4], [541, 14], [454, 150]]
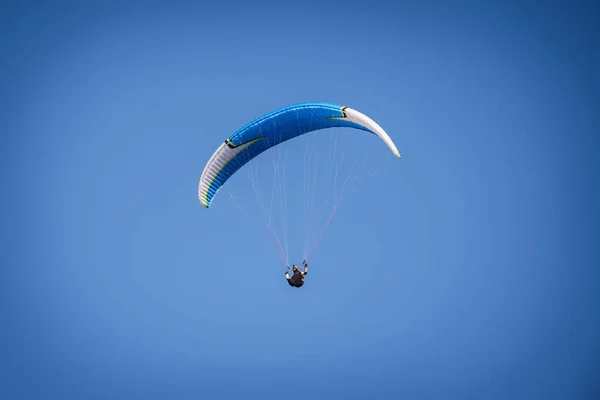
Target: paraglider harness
[[297, 280]]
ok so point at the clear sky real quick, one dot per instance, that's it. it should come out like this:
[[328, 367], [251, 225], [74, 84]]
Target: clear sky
[[467, 269]]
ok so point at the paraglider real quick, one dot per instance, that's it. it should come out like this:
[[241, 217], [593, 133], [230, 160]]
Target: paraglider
[[270, 130]]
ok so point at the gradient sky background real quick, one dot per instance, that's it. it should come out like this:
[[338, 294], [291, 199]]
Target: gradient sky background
[[468, 269]]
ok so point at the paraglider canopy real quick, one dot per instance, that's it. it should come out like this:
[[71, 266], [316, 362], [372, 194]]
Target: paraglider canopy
[[273, 129]]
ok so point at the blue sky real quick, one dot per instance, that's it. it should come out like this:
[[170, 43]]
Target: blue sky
[[467, 269]]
